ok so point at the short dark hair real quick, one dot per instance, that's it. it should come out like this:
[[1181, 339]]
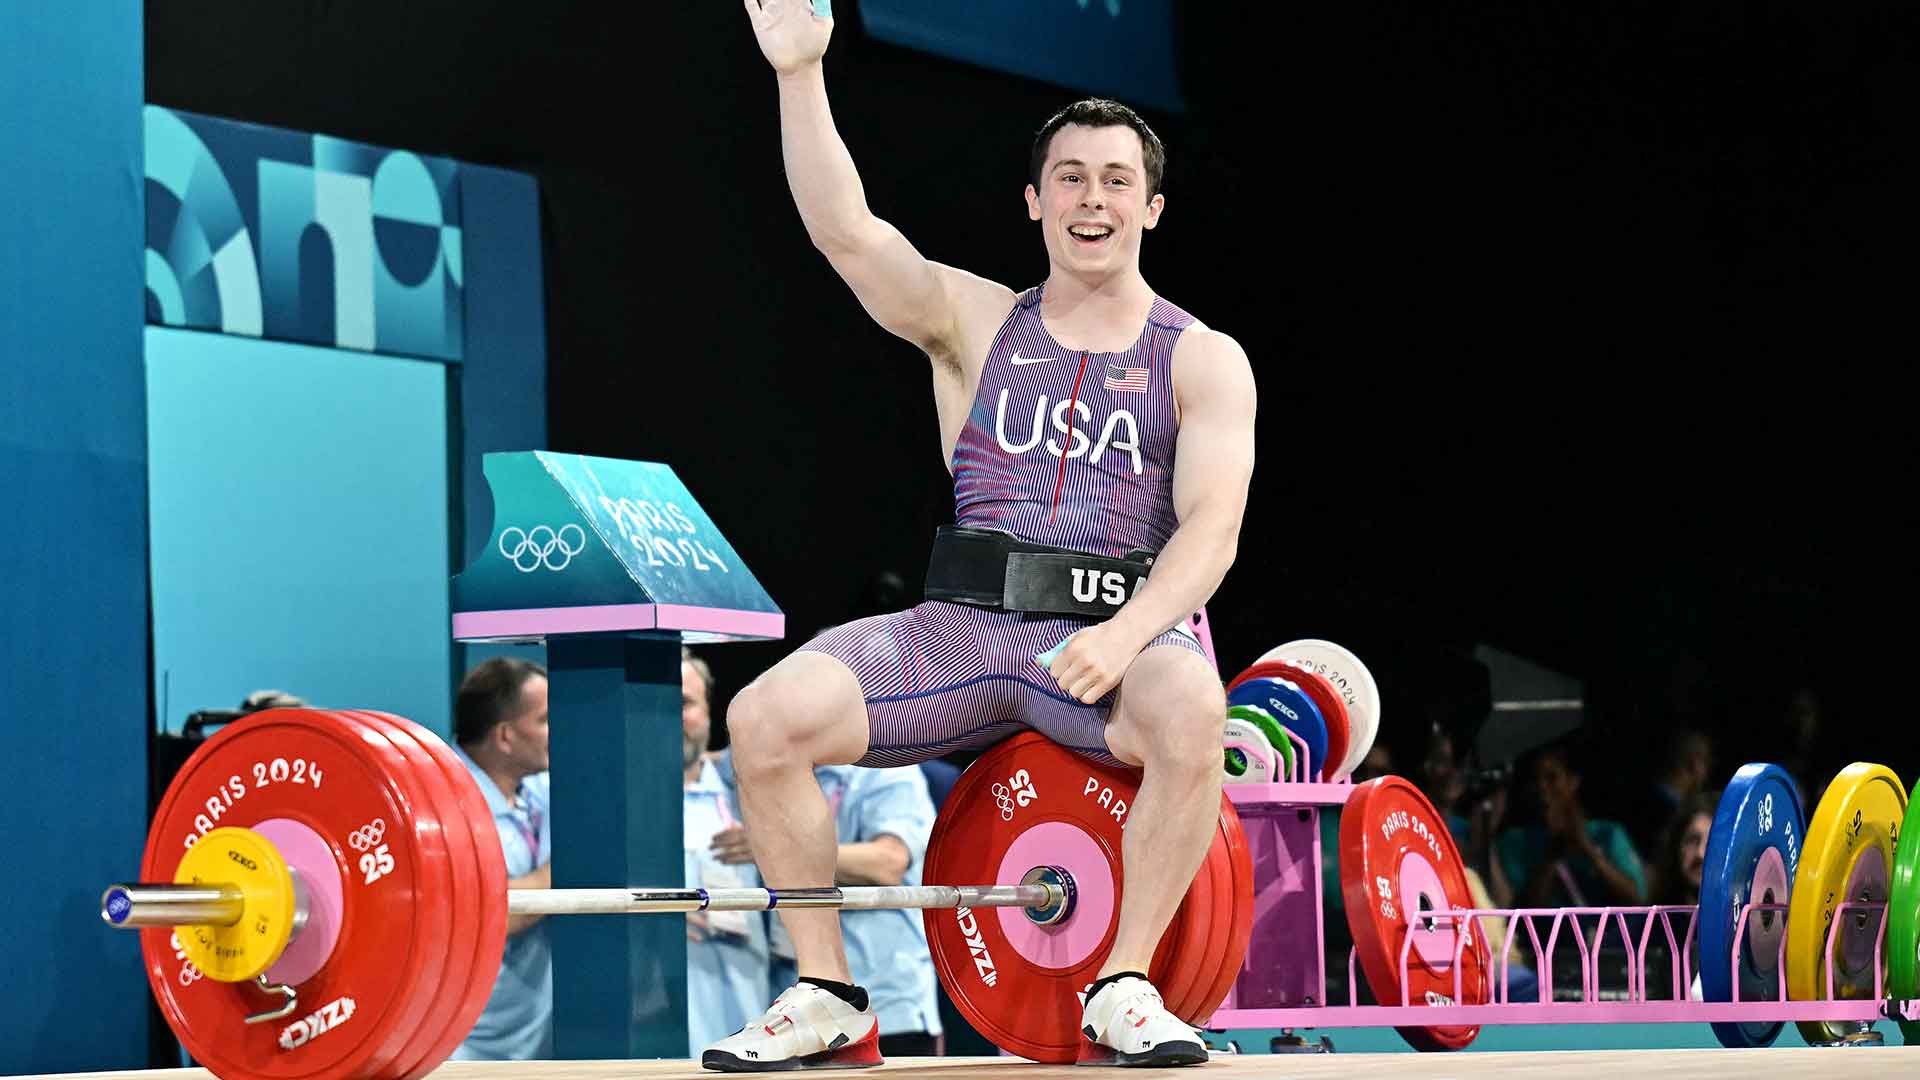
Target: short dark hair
[[488, 695], [1100, 112], [1567, 750]]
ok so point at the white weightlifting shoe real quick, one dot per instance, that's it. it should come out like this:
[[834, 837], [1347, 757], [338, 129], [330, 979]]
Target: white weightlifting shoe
[[806, 1028], [1126, 1023]]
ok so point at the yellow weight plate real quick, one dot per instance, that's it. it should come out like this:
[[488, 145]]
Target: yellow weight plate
[[1848, 857], [246, 861]]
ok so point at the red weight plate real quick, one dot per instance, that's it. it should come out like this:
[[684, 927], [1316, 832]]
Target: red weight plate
[[1333, 709], [488, 902], [355, 795], [1397, 860], [1182, 980], [417, 1059], [1028, 802], [1214, 914], [1265, 669], [437, 880], [1218, 915], [1238, 912]]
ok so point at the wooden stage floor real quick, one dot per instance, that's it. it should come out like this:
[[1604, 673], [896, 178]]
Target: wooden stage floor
[[1775, 1063]]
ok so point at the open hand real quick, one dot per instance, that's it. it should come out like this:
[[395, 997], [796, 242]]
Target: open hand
[[791, 36]]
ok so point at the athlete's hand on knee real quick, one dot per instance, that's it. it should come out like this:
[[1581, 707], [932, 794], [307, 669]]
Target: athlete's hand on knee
[[791, 36], [730, 846], [1093, 661]]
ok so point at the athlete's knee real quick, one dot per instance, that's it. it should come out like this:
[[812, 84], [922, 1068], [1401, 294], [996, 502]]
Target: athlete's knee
[[1193, 728], [768, 730], [753, 726], [1177, 712], [787, 718]]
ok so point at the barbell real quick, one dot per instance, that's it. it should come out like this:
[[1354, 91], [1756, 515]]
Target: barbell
[[325, 896]]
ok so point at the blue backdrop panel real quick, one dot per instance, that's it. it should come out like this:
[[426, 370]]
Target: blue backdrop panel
[[503, 374], [261, 231], [73, 459], [299, 526], [1122, 50]]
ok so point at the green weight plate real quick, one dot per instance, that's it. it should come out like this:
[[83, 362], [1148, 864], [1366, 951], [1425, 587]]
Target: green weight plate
[[1272, 729], [1903, 917]]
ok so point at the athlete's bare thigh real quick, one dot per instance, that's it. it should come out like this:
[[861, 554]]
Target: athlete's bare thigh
[[814, 704]]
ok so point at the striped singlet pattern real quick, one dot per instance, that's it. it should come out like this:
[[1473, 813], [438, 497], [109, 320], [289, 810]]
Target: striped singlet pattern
[[940, 677], [1039, 402]]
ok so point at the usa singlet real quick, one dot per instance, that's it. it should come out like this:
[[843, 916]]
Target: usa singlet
[[1073, 449], [1060, 447]]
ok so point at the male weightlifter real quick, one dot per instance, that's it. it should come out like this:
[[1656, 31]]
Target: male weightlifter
[[1094, 431]]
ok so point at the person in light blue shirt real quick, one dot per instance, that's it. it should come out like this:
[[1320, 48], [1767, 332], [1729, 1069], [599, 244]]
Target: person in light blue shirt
[[883, 818], [726, 950], [500, 725]]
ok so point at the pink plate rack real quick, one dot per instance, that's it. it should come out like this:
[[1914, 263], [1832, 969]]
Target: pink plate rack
[[1282, 983]]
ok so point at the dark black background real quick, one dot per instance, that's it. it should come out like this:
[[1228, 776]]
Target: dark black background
[[1578, 327]]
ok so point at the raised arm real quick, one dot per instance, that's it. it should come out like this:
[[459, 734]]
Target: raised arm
[[910, 296]]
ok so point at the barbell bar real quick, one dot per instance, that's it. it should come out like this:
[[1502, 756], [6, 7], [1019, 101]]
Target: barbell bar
[[131, 906]]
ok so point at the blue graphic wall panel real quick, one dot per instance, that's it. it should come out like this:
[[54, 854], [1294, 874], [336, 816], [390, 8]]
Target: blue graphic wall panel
[[299, 526], [1123, 49], [73, 621], [264, 232], [503, 376]]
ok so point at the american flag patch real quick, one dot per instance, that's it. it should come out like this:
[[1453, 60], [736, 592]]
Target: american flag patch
[[1133, 380]]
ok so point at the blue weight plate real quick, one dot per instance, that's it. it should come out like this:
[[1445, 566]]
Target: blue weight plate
[[1753, 853], [1290, 705]]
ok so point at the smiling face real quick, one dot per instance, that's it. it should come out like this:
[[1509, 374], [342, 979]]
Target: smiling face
[[1093, 201]]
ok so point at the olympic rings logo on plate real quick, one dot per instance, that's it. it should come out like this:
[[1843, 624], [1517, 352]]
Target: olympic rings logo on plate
[[188, 973], [1004, 799], [530, 549], [365, 837]]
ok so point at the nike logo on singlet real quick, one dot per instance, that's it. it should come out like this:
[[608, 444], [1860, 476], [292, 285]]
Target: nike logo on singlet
[[1022, 361]]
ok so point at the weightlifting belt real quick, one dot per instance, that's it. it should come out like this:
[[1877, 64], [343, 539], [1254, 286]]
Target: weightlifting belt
[[992, 569]]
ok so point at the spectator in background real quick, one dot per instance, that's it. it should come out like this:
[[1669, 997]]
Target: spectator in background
[[1686, 768], [261, 700], [726, 950], [882, 818], [500, 725], [1441, 777], [1568, 858], [1680, 850]]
